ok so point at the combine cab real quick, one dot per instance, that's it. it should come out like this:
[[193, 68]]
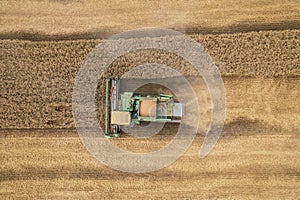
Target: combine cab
[[129, 108]]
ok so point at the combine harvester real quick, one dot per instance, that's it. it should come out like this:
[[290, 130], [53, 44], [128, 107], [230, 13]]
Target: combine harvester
[[129, 108]]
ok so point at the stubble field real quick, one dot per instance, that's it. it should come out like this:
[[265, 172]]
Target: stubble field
[[55, 164], [63, 19]]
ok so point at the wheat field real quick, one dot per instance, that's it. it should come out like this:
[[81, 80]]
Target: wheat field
[[255, 44], [37, 77]]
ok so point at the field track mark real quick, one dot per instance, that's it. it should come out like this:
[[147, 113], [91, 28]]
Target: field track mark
[[241, 27], [35, 174]]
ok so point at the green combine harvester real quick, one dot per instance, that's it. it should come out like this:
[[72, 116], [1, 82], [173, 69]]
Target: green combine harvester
[[129, 108]]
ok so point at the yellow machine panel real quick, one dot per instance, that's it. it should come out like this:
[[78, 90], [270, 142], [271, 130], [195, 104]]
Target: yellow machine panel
[[120, 118]]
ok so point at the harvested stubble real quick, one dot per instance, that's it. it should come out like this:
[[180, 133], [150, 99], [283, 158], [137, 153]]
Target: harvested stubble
[[53, 164], [63, 19]]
